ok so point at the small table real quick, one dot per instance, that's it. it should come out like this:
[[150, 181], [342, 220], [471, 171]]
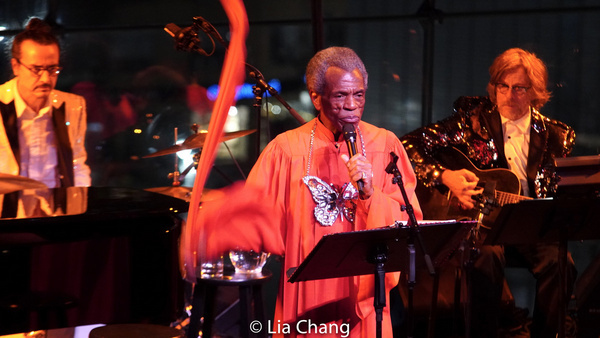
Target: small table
[[250, 290]]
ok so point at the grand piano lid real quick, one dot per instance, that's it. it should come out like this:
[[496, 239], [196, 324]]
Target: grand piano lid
[[76, 213]]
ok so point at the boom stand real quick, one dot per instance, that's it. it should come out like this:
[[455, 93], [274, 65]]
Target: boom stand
[[190, 42], [392, 169]]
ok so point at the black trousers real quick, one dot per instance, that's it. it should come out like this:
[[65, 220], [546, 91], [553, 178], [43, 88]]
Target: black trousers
[[487, 280]]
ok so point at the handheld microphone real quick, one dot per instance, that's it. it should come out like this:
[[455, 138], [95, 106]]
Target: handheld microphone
[[350, 136], [185, 38]]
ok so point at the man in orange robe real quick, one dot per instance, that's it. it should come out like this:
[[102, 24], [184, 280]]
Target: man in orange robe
[[310, 189]]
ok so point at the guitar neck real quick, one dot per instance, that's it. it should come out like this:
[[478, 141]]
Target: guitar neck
[[508, 198]]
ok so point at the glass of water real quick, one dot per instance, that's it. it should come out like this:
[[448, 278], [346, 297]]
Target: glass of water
[[212, 268], [248, 262]]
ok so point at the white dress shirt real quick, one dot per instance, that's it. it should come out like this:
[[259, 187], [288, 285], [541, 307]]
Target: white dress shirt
[[516, 147], [37, 143]]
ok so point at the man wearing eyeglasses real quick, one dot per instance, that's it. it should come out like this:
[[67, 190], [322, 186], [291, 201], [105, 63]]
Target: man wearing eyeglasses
[[503, 130], [43, 130]]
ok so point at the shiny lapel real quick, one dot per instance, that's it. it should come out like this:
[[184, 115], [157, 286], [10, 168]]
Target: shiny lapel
[[63, 147], [493, 123], [9, 118], [537, 143]]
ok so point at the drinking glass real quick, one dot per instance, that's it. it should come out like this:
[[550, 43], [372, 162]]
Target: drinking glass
[[212, 268], [248, 262]]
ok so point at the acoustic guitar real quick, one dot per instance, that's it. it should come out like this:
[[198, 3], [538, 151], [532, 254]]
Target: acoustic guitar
[[501, 186]]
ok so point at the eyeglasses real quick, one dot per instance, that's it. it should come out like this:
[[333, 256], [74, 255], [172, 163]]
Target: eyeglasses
[[37, 70], [519, 90]]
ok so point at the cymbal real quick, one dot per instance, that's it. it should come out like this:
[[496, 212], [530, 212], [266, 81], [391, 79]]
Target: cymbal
[[184, 193], [10, 183], [197, 141]]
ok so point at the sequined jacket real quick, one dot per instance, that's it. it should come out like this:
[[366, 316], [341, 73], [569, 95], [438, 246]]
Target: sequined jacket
[[475, 129]]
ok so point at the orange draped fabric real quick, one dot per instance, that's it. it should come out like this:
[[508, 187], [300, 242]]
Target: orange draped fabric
[[232, 76], [275, 213]]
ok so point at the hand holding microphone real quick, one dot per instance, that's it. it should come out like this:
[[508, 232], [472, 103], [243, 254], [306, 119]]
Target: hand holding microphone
[[359, 168]]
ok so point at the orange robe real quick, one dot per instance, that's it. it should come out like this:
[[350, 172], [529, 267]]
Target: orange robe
[[280, 170]]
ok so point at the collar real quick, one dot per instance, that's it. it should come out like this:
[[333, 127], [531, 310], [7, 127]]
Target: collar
[[21, 107], [322, 129], [523, 124]]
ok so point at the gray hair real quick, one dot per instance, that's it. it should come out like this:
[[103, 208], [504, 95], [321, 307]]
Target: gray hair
[[341, 57]]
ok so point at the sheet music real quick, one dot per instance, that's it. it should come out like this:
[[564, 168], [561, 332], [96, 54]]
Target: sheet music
[[425, 222]]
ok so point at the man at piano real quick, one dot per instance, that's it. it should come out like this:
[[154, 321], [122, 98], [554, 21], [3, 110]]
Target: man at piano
[[502, 130], [42, 131]]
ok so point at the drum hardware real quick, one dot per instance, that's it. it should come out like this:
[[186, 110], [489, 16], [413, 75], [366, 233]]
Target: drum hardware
[[175, 174], [197, 140], [194, 164]]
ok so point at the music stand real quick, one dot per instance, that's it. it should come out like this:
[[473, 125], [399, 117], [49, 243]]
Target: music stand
[[546, 221], [377, 251]]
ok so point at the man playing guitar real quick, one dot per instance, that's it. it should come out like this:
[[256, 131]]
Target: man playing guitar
[[503, 131]]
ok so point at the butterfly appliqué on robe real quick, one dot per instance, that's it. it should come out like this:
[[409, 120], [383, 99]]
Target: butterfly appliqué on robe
[[331, 202]]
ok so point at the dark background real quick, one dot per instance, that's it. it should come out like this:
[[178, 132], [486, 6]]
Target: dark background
[[106, 43], [421, 56]]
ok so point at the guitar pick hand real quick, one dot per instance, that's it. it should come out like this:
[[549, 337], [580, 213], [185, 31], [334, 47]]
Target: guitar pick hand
[[463, 184]]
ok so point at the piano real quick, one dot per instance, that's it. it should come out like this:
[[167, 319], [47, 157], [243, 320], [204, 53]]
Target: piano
[[113, 250]]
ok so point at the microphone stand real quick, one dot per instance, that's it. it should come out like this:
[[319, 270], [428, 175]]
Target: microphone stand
[[261, 85], [414, 233], [189, 41], [210, 30], [258, 92], [259, 89], [378, 257], [201, 24]]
